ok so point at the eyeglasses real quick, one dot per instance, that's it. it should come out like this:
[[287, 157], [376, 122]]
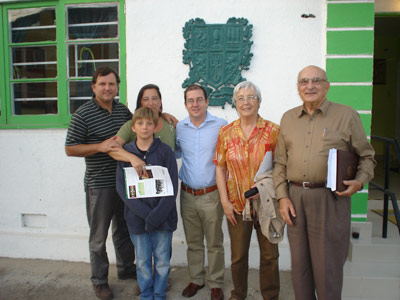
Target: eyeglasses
[[315, 81], [250, 98], [199, 101]]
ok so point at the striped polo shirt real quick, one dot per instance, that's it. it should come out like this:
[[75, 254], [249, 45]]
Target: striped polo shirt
[[92, 124]]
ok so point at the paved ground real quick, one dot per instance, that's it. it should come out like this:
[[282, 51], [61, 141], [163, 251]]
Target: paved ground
[[23, 279]]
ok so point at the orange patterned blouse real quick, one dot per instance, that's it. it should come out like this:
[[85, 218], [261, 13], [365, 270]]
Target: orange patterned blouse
[[242, 157]]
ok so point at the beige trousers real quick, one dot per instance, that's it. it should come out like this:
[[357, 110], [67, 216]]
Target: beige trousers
[[202, 218]]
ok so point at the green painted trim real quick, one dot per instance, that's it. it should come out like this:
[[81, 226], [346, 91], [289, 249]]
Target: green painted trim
[[3, 112], [62, 71], [60, 120], [30, 4], [366, 121], [122, 53], [358, 97], [350, 15], [352, 70], [92, 41], [354, 219], [350, 42], [85, 1], [41, 43], [34, 120], [349, 69], [33, 126], [359, 203], [44, 121], [7, 65], [33, 80]]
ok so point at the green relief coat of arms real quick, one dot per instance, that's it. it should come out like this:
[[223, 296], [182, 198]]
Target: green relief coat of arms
[[216, 55]]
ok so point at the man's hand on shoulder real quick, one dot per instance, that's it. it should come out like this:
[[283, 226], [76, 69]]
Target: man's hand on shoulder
[[109, 145], [286, 209], [352, 187]]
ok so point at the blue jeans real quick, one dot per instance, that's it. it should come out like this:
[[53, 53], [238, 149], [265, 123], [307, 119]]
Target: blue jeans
[[149, 245]]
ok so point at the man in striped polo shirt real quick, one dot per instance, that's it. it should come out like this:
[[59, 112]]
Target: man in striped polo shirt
[[91, 134]]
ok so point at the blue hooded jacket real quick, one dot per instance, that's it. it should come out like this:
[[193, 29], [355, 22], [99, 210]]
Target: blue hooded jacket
[[150, 214]]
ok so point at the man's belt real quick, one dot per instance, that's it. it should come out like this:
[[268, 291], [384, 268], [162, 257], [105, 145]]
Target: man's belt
[[309, 185], [198, 192]]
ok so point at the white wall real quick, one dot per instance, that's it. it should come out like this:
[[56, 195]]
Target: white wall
[[38, 179], [284, 43]]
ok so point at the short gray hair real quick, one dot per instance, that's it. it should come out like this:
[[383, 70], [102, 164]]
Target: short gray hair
[[246, 85]]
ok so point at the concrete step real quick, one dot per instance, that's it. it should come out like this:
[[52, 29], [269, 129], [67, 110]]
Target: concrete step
[[372, 280], [375, 250]]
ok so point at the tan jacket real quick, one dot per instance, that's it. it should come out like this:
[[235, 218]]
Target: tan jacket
[[267, 208]]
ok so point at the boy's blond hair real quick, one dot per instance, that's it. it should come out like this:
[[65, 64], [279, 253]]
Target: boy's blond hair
[[144, 113]]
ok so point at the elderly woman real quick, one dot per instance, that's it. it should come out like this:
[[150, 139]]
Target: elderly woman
[[240, 149]]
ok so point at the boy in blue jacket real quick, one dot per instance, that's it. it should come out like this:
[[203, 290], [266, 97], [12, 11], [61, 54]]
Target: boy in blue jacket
[[151, 221]]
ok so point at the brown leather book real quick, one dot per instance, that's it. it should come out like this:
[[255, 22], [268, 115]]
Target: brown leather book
[[347, 163]]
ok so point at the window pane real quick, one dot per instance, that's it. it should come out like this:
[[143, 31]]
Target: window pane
[[79, 93], [34, 62], [94, 21], [84, 59], [34, 98], [32, 24]]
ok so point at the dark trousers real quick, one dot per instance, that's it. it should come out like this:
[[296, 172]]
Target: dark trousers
[[240, 235], [104, 206], [319, 242]]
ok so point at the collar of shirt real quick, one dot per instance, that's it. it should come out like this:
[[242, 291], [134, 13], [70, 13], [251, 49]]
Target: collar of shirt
[[114, 102], [323, 109], [209, 118], [261, 123]]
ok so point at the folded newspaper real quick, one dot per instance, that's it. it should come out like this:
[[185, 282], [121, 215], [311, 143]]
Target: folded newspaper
[[155, 182]]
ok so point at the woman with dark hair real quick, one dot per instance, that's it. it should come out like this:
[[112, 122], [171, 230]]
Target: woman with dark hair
[[148, 96], [145, 101]]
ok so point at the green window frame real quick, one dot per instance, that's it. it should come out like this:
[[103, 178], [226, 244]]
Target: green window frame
[[49, 52]]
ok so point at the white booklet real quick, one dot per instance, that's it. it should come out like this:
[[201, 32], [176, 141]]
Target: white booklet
[[155, 182], [331, 174]]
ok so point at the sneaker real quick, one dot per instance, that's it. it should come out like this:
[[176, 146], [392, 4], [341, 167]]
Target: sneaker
[[103, 291]]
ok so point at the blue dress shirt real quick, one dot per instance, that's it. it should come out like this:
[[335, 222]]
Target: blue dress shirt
[[196, 146]]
